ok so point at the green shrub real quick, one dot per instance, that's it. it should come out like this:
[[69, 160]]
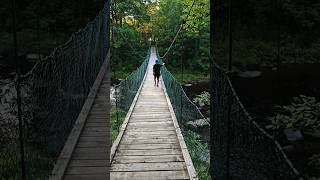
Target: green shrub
[[203, 98], [199, 152], [114, 123], [303, 113]]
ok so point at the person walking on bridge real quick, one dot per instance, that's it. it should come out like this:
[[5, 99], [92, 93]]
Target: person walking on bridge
[[156, 72]]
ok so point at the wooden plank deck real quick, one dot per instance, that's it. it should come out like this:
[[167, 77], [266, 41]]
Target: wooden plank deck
[[150, 144], [86, 153]]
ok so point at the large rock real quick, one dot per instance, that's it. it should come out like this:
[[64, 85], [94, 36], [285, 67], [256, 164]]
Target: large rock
[[199, 123], [249, 74], [112, 96], [293, 135], [33, 57]]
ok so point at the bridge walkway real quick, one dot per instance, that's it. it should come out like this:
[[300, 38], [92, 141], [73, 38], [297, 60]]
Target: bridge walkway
[[150, 144], [87, 150]]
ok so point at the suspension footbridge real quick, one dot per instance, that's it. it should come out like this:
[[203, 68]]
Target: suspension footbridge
[[150, 144], [66, 106]]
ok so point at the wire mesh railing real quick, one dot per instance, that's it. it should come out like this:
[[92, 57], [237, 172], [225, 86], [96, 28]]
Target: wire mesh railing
[[240, 148], [186, 111], [53, 93], [127, 89]]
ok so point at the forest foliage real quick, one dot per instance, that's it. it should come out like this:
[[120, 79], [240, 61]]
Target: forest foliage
[[264, 32], [268, 33], [44, 24]]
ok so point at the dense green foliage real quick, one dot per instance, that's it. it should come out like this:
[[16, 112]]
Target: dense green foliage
[[129, 34], [303, 113], [44, 24], [192, 44], [116, 122], [199, 152], [268, 33]]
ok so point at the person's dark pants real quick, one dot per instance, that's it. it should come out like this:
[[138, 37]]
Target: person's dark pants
[[156, 79]]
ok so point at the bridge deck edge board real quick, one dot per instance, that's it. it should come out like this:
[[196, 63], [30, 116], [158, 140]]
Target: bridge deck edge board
[[66, 154], [191, 170], [116, 143]]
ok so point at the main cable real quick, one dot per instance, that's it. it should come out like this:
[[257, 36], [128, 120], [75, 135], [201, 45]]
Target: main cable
[[178, 32]]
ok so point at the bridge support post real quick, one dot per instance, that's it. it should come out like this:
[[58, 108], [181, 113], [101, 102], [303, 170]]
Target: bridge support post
[[18, 88], [212, 2], [230, 36]]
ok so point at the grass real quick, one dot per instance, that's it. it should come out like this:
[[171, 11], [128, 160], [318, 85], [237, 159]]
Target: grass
[[38, 164], [199, 152], [114, 123]]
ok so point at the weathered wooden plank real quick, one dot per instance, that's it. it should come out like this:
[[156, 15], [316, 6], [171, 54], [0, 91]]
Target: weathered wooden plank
[[144, 111], [87, 177], [151, 132], [87, 170], [147, 159], [155, 107], [149, 120], [152, 116], [166, 166], [93, 139], [95, 134], [150, 136], [148, 129], [83, 144], [149, 146], [154, 175], [91, 150], [100, 116], [149, 141], [151, 102], [89, 163], [96, 129], [97, 124], [94, 156], [98, 112], [97, 117], [150, 126], [151, 152], [135, 119], [161, 123]]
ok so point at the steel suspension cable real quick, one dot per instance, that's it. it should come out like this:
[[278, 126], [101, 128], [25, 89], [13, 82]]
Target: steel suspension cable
[[178, 32]]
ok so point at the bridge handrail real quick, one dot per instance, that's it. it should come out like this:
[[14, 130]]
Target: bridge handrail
[[186, 112], [122, 89], [128, 87], [54, 91], [224, 147], [166, 74], [69, 41]]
